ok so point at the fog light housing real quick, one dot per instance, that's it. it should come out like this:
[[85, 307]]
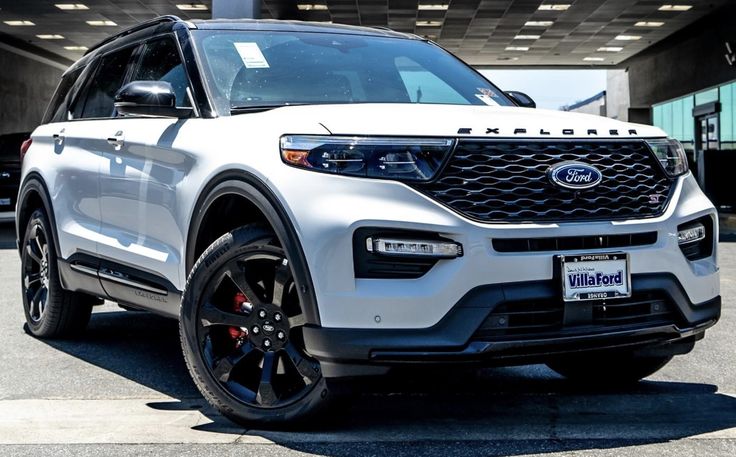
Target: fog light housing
[[691, 234], [397, 247]]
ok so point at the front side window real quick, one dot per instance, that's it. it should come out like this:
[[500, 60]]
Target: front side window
[[249, 69], [99, 99], [161, 62]]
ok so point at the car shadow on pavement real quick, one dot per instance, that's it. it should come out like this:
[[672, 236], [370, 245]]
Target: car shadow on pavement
[[424, 411], [137, 345]]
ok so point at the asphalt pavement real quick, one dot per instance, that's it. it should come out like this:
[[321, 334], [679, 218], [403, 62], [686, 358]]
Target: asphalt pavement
[[123, 389]]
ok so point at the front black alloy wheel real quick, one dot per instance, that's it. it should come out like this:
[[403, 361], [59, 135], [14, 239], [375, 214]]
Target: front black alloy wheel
[[241, 328], [51, 311]]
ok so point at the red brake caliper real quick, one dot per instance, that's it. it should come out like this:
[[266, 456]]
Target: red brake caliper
[[239, 302]]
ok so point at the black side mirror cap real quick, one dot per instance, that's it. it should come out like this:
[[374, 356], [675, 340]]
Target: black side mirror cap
[[149, 98], [521, 99]]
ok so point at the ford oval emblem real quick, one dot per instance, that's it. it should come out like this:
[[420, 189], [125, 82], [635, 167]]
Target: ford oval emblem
[[574, 175]]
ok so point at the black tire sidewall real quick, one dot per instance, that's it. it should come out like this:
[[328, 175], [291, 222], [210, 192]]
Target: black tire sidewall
[[223, 250], [48, 323]]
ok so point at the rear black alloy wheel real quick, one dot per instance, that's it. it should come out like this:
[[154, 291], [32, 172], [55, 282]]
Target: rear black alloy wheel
[[242, 331], [36, 272], [51, 311]]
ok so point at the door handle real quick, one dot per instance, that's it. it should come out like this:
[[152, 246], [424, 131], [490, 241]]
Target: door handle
[[59, 137], [116, 141]]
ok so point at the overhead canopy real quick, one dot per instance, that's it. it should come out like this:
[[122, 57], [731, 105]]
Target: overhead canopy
[[482, 32]]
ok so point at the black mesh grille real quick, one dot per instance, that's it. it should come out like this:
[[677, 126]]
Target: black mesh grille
[[506, 181]]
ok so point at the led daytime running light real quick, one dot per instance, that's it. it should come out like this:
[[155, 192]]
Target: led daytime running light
[[691, 234], [414, 248]]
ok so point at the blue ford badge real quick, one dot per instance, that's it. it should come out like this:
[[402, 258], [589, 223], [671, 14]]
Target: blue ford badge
[[574, 175]]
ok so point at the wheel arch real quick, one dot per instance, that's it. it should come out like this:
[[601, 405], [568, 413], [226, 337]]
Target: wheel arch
[[254, 195], [34, 195]]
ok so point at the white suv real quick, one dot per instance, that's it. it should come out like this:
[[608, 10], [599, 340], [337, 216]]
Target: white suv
[[318, 201]]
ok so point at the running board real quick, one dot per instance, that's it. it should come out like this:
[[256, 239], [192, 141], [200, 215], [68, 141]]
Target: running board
[[123, 284], [123, 279], [83, 269], [116, 276]]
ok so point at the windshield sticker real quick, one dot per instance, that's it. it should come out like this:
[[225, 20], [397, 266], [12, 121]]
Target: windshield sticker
[[486, 99], [251, 55], [487, 91]]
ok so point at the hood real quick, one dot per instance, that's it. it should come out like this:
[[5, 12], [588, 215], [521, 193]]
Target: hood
[[458, 120]]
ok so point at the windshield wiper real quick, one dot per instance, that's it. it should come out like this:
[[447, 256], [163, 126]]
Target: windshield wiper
[[259, 108]]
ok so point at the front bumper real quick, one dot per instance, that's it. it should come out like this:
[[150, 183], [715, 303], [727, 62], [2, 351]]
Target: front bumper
[[456, 337], [327, 221]]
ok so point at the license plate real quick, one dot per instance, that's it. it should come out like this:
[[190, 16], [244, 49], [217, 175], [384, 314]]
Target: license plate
[[4, 201], [595, 276]]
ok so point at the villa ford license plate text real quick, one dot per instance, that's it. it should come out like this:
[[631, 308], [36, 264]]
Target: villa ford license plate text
[[595, 276]]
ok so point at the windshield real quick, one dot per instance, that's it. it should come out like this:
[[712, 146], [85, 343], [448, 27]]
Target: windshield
[[247, 69]]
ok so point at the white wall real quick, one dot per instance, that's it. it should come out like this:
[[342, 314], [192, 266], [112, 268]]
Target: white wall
[[596, 107], [617, 94]]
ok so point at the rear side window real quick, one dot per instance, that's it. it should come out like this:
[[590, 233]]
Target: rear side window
[[58, 108], [98, 101], [161, 62]]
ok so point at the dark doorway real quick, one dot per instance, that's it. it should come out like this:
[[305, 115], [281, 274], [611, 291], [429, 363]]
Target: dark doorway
[[712, 164], [706, 133]]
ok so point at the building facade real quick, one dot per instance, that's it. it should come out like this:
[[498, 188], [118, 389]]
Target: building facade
[[686, 85]]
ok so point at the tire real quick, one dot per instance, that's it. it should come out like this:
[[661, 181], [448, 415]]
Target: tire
[[51, 311], [230, 291], [607, 368]]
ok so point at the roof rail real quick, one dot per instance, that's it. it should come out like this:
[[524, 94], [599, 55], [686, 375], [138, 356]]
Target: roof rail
[[135, 28]]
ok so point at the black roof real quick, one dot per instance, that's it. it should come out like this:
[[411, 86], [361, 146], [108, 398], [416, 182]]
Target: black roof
[[142, 26], [296, 26], [166, 23]]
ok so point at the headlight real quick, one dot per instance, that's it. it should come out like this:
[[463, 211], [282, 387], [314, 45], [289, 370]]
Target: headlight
[[405, 159], [671, 155]]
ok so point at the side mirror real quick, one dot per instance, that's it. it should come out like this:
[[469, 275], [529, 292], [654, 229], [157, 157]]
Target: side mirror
[[149, 98], [521, 99]]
